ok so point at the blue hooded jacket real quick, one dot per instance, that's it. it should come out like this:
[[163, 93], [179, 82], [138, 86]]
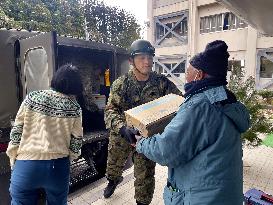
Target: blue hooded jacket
[[203, 151]]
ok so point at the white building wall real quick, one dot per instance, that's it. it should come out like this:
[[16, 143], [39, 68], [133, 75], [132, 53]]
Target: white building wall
[[251, 52], [244, 43], [235, 39], [193, 28], [264, 42], [150, 15]]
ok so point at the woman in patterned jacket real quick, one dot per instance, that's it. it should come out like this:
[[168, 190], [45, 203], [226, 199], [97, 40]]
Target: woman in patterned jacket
[[46, 136]]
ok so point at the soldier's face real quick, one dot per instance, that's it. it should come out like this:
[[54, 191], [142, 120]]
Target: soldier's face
[[143, 63]]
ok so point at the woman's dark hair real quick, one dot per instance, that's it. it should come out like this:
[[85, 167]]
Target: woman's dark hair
[[67, 80]]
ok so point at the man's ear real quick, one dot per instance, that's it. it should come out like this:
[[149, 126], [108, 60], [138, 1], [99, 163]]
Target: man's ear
[[131, 61], [201, 74], [205, 75]]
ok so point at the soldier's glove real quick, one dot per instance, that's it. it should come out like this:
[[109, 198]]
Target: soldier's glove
[[128, 134]]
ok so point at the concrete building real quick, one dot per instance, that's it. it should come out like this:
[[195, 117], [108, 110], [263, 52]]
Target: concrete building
[[181, 28]]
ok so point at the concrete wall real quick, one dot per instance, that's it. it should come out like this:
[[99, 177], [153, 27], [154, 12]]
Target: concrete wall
[[182, 49], [235, 39], [161, 3], [150, 16], [265, 42], [210, 9], [180, 6], [204, 2]]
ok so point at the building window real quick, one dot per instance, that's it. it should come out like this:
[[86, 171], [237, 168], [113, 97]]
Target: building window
[[160, 31], [180, 68], [226, 21], [170, 25], [235, 63], [266, 68], [213, 23], [169, 66], [240, 23], [207, 25], [184, 27], [219, 22], [159, 68], [177, 71], [180, 29]]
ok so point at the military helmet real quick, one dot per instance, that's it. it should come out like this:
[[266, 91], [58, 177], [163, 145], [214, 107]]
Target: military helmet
[[141, 47]]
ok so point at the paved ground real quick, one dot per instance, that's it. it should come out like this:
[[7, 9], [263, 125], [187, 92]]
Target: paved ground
[[258, 172]]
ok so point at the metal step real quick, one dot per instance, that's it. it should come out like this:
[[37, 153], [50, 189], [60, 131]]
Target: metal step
[[82, 170]]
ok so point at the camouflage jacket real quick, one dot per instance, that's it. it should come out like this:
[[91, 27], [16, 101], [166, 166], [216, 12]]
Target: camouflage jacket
[[126, 93]]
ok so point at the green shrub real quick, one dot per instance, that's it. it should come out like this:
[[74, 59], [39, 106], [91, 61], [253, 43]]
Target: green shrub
[[267, 96], [244, 89]]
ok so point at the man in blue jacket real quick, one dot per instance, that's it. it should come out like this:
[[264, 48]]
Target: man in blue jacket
[[201, 146]]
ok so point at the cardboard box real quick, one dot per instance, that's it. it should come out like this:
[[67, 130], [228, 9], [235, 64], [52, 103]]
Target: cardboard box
[[152, 117]]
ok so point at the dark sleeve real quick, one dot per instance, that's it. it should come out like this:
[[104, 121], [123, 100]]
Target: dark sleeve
[[170, 87], [76, 139]]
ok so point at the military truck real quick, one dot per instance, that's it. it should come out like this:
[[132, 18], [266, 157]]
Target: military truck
[[28, 61]]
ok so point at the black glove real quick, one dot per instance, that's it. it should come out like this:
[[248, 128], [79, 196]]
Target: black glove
[[128, 134]]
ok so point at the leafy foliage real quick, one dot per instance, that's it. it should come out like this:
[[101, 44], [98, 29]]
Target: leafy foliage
[[267, 96], [111, 24], [245, 91], [67, 17], [45, 15]]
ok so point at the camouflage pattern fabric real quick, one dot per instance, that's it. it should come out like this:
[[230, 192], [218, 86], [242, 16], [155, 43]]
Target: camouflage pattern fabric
[[126, 93], [144, 173]]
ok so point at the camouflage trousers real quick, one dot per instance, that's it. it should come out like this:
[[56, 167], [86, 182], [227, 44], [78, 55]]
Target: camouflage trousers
[[144, 169]]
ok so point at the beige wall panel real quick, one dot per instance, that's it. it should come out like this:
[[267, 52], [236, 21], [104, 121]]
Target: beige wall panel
[[237, 55], [169, 42], [170, 60], [171, 50], [265, 42], [235, 39], [170, 20], [177, 7], [161, 3], [211, 10], [193, 28], [251, 52], [150, 29], [204, 2]]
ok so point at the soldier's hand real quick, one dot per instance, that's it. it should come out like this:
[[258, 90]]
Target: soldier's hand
[[128, 134]]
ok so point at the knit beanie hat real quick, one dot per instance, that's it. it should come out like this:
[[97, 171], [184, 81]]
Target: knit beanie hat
[[213, 60]]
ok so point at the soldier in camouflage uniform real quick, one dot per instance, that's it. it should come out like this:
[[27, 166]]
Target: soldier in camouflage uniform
[[140, 85]]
